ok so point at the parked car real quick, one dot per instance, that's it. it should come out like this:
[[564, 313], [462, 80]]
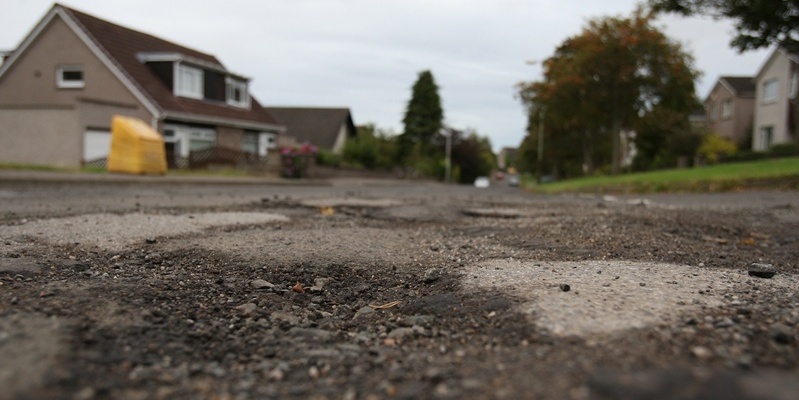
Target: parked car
[[499, 175], [482, 182], [513, 180]]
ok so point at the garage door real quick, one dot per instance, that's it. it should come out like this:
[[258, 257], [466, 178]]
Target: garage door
[[96, 145]]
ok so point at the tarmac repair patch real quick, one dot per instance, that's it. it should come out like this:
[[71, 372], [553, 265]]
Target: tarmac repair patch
[[604, 297], [115, 232]]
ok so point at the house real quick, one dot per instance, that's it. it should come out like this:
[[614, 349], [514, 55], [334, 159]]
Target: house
[[60, 88], [730, 108], [776, 84], [325, 128]]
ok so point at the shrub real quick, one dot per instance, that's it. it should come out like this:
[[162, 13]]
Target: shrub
[[714, 146]]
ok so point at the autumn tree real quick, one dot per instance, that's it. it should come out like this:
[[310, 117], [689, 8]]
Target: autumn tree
[[605, 81], [424, 116]]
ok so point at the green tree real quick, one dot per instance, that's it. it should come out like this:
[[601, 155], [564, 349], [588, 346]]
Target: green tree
[[424, 117], [372, 148], [472, 155], [758, 23], [603, 82]]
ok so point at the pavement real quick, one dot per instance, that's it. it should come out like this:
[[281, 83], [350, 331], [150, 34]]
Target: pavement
[[7, 175]]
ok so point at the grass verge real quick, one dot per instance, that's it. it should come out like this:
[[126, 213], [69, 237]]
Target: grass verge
[[775, 173]]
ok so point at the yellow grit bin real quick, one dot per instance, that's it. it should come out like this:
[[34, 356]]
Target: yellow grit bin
[[136, 148]]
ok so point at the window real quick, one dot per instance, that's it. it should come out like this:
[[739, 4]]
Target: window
[[70, 77], [726, 109], [766, 137], [713, 113], [249, 143], [189, 82], [237, 93], [794, 84], [771, 91]]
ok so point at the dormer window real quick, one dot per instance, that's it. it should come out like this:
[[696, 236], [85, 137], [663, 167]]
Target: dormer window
[[70, 77], [189, 82], [237, 93]]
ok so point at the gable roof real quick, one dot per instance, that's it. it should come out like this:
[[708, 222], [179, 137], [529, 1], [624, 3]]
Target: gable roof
[[777, 52], [120, 48], [741, 86], [319, 126]]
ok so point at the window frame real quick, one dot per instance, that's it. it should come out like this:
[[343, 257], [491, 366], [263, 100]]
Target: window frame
[[727, 109], [197, 73], [62, 83], [768, 97], [231, 85]]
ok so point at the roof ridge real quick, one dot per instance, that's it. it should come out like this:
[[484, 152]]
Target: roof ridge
[[83, 14]]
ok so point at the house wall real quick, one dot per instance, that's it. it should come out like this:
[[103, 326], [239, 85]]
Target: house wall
[[774, 114], [737, 126], [37, 137], [724, 127], [34, 108], [230, 138], [744, 114], [341, 139]]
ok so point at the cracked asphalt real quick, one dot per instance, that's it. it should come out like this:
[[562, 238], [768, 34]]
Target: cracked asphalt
[[360, 289]]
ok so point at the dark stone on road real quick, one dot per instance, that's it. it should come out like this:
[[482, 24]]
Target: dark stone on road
[[564, 287], [762, 270]]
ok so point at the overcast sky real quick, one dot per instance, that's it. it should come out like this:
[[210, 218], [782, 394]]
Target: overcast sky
[[366, 54]]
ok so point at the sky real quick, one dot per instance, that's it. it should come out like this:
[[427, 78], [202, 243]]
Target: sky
[[366, 54]]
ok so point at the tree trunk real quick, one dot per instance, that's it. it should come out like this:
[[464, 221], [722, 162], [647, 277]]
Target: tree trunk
[[616, 132], [588, 152]]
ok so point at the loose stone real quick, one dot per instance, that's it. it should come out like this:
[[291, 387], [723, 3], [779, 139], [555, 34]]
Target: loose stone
[[762, 270], [782, 334], [431, 275], [262, 284]]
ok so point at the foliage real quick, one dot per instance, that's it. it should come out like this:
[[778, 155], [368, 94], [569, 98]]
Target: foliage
[[328, 158], [618, 74], [424, 117], [662, 137], [371, 149], [758, 23], [471, 156], [713, 146]]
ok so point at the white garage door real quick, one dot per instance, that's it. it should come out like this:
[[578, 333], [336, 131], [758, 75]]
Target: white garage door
[[96, 144]]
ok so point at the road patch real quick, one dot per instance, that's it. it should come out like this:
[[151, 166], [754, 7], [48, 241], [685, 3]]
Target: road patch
[[606, 297]]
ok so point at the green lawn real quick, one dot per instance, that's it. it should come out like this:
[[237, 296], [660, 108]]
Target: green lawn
[[782, 172]]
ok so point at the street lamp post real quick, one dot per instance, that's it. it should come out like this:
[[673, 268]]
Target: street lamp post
[[539, 167], [448, 162]]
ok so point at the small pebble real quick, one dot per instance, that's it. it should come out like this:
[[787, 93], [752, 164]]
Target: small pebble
[[564, 287]]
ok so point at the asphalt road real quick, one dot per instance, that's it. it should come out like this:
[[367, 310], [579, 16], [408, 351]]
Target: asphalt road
[[125, 287]]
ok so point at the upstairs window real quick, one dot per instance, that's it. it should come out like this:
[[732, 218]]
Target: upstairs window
[[771, 90], [726, 109], [70, 77], [189, 82], [237, 93]]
